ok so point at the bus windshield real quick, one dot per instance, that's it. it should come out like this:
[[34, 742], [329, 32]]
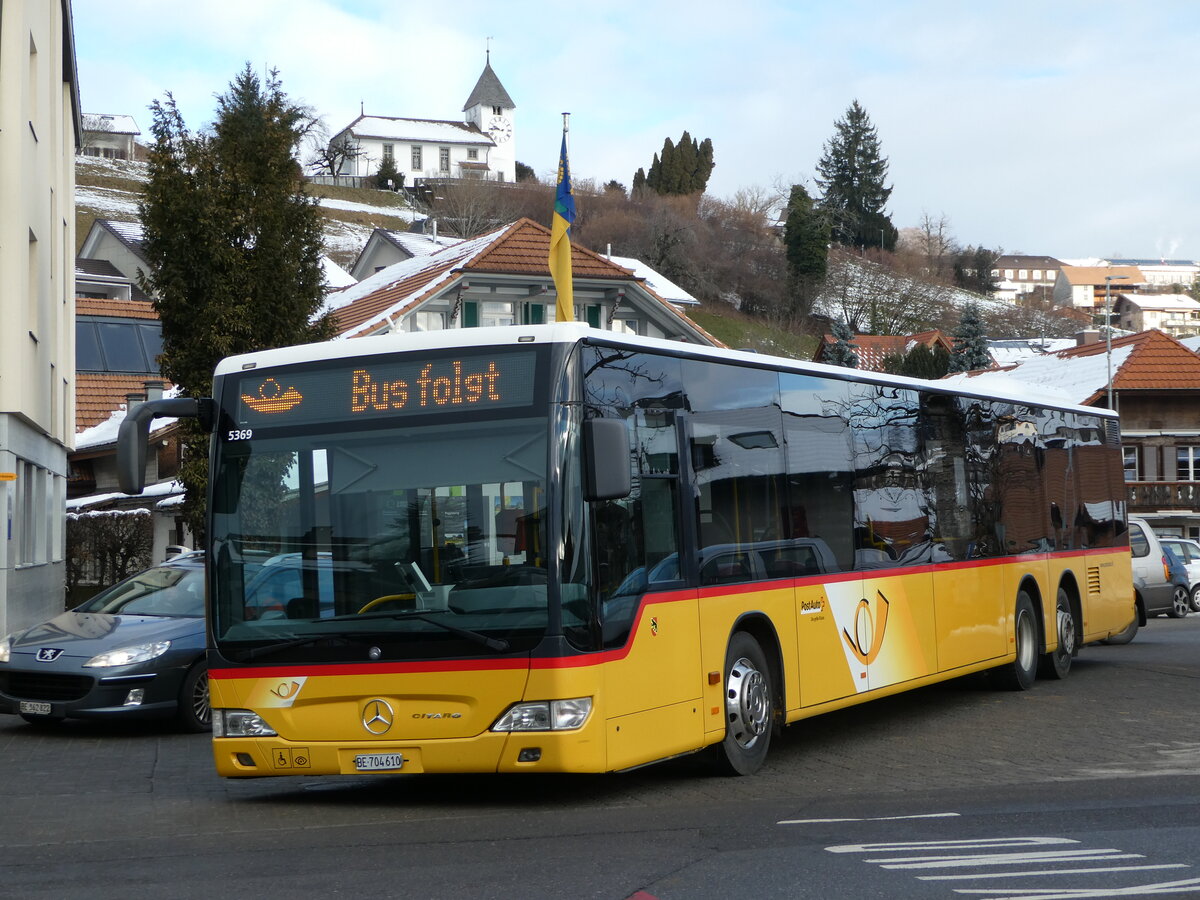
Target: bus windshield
[[414, 542]]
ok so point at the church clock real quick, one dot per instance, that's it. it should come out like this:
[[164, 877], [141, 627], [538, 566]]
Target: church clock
[[499, 129]]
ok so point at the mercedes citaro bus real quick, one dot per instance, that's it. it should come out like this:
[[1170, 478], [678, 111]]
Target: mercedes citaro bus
[[555, 548]]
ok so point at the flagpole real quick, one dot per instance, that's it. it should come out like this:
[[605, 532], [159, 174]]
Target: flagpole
[[560, 237]]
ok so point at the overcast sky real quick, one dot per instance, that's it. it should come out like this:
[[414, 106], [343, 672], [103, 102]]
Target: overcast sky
[[1061, 128]]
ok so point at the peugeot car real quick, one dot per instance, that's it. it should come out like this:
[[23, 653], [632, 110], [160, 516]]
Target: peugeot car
[[135, 650]]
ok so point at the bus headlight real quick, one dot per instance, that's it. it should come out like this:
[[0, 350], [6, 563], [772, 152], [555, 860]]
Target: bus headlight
[[239, 723], [545, 715]]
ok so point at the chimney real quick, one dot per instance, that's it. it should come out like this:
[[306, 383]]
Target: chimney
[[154, 389], [1087, 336], [434, 221], [132, 401]]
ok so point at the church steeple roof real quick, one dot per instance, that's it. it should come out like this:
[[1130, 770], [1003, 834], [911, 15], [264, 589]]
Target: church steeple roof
[[489, 91]]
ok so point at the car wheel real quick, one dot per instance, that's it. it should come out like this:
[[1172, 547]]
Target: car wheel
[[1181, 603], [1196, 598], [1057, 663], [195, 715], [1019, 675], [749, 707]]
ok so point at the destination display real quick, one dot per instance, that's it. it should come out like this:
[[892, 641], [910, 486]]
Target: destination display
[[369, 389]]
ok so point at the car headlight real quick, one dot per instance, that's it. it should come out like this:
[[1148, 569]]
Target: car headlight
[[545, 715], [6, 648], [127, 656], [239, 723]]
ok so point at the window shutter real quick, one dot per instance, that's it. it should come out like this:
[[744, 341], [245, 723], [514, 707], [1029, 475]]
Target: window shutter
[[470, 314], [593, 316]]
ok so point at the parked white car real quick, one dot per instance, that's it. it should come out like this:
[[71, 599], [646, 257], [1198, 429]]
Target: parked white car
[[1189, 552], [1159, 579]]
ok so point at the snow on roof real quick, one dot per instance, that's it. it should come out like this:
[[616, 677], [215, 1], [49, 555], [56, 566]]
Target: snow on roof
[[106, 432], [110, 124], [1051, 378], [656, 281], [335, 276], [404, 270], [431, 131], [162, 489], [420, 244], [1015, 350], [1161, 301]]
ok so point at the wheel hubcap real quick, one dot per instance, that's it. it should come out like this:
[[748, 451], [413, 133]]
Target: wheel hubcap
[[1066, 632], [747, 704], [200, 705]]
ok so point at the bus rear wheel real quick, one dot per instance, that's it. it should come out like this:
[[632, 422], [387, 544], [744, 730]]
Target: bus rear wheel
[[1020, 674], [749, 707], [1057, 663]]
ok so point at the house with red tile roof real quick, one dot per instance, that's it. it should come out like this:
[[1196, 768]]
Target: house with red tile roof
[[117, 342], [873, 349], [503, 278], [1155, 386]]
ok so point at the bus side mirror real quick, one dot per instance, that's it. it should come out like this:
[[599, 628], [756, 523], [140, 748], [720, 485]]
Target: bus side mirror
[[605, 460], [135, 431]]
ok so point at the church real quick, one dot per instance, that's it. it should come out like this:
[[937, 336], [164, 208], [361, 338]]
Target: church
[[482, 145]]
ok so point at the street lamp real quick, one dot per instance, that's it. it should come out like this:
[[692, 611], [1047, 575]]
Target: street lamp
[[1108, 280]]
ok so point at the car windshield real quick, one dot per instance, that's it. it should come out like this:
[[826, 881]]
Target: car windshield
[[443, 526], [160, 591]]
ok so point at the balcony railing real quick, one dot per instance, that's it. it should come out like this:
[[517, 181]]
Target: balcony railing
[[1163, 495]]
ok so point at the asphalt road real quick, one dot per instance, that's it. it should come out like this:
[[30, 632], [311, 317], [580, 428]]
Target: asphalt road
[[1091, 784]]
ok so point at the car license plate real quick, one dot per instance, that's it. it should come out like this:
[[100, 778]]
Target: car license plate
[[35, 708], [375, 762]]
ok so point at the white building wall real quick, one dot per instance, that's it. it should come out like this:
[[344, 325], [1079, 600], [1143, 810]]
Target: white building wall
[[37, 271]]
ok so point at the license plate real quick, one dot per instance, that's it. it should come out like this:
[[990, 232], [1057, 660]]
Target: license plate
[[35, 708], [375, 762]]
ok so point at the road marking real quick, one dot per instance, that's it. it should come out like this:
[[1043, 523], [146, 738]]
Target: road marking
[[977, 875], [945, 815], [1001, 859], [970, 844], [982, 853], [1187, 886]]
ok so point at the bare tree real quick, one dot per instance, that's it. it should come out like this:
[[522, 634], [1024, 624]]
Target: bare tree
[[328, 157], [872, 298], [467, 207]]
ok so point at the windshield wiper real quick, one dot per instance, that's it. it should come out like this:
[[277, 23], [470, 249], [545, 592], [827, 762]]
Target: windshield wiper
[[500, 646], [271, 649]]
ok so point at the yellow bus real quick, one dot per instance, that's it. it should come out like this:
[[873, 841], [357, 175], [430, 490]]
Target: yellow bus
[[554, 548]]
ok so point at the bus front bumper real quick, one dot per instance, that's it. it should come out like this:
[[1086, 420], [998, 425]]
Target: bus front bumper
[[567, 751]]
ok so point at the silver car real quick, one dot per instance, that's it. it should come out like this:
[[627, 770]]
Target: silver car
[[135, 650]]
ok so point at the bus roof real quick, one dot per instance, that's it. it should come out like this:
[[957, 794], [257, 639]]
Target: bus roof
[[575, 332]]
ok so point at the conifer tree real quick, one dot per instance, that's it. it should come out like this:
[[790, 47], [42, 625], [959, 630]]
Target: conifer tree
[[851, 174], [842, 352], [233, 242], [681, 169], [387, 176], [970, 342], [921, 361], [806, 246]]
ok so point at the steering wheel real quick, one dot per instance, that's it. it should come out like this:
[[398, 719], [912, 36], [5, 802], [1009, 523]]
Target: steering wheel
[[386, 598]]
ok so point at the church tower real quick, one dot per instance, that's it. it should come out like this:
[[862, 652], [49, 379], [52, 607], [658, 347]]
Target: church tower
[[491, 109]]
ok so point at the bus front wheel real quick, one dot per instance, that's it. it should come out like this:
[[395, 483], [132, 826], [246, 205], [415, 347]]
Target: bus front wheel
[[1019, 675], [749, 707]]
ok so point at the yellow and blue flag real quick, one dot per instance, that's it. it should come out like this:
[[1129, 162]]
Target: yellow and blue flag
[[560, 239]]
